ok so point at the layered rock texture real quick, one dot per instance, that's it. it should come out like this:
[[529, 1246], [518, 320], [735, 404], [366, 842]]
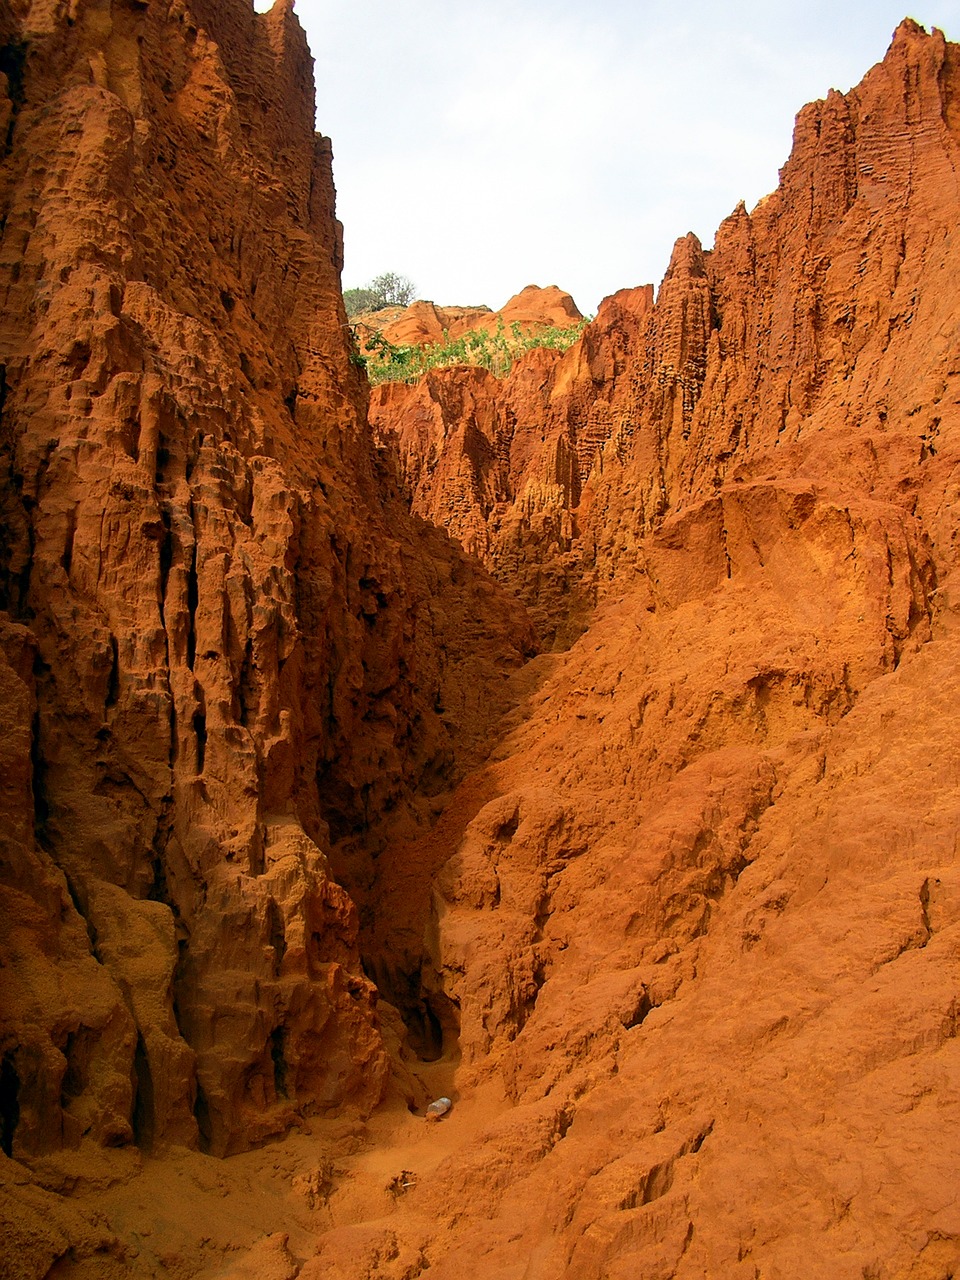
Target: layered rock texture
[[687, 915], [683, 945], [225, 643]]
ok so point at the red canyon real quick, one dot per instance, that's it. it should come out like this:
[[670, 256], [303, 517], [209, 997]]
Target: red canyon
[[579, 745]]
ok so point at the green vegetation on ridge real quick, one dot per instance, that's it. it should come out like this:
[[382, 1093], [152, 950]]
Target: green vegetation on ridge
[[495, 352]]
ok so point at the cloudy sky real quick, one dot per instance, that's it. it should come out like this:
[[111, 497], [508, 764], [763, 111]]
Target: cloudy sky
[[483, 146]]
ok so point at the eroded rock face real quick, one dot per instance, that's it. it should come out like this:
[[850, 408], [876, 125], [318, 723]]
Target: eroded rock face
[[825, 309], [501, 463], [419, 324], [224, 641], [685, 913]]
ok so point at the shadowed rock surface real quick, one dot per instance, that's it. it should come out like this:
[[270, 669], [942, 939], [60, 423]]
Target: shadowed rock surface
[[225, 641]]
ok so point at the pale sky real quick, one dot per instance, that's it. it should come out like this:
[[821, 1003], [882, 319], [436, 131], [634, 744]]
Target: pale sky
[[483, 146]]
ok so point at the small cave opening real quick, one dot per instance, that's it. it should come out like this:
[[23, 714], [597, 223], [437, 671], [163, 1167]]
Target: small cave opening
[[78, 1051], [277, 1038], [201, 1113], [9, 1103], [431, 1017], [425, 1031]]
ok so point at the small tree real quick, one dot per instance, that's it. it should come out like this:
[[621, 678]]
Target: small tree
[[391, 290], [387, 290]]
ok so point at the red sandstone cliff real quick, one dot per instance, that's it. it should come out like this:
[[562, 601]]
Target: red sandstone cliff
[[828, 305], [700, 916], [224, 642], [501, 463]]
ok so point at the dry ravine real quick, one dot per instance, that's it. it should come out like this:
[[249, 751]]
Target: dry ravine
[[578, 745]]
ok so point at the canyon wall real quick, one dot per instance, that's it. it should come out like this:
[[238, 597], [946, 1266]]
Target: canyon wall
[[827, 309], [699, 915], [225, 641]]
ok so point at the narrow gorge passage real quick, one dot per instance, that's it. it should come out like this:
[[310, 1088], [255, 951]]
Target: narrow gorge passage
[[269, 1207], [396, 890]]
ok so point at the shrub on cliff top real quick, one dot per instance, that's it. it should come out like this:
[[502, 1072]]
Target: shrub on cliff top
[[386, 290], [493, 351], [357, 301]]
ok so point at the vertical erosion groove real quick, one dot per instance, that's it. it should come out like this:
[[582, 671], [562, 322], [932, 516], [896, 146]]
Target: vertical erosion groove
[[193, 598], [41, 808], [9, 1103], [277, 1038], [143, 1106], [200, 732], [113, 683]]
